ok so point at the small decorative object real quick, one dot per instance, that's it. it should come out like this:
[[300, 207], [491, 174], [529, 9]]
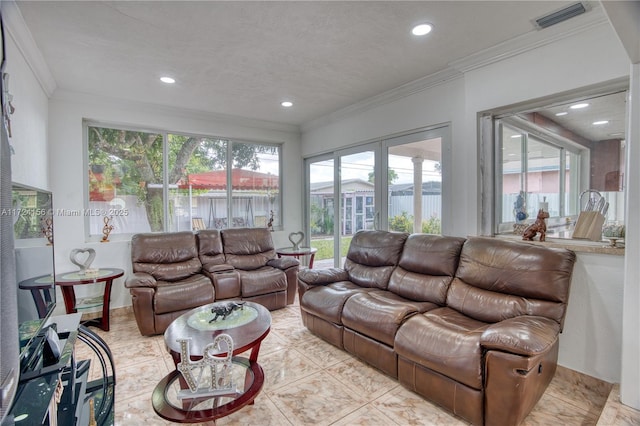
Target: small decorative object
[[218, 381], [223, 311], [47, 229], [544, 205], [614, 233], [520, 207], [296, 241], [106, 229], [518, 228], [538, 226], [83, 265], [270, 224]]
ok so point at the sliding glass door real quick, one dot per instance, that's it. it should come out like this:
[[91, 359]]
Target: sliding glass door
[[395, 184]]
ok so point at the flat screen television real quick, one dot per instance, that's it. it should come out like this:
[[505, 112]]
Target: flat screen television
[[32, 215]]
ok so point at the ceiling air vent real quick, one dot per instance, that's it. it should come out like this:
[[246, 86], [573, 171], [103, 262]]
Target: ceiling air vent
[[560, 15]]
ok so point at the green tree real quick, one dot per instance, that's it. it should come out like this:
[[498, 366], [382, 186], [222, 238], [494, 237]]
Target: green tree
[[391, 174], [136, 159]]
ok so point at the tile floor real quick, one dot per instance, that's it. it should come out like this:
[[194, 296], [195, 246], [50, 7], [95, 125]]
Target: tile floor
[[310, 382]]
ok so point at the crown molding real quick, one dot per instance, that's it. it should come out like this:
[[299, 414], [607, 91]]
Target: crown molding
[[594, 17], [17, 29], [416, 86], [64, 95]]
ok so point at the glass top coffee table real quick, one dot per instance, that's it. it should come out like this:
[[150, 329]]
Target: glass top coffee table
[[247, 327]]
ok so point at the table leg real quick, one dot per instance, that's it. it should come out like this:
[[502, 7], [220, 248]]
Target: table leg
[[311, 256], [69, 296], [106, 301]]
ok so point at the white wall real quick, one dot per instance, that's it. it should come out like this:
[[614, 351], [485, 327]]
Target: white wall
[[66, 113], [592, 338], [29, 122]]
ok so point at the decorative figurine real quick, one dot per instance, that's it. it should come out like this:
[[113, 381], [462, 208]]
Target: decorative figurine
[[520, 207], [47, 229], [222, 312], [84, 266], [106, 230], [219, 380], [296, 241], [270, 224], [538, 226]]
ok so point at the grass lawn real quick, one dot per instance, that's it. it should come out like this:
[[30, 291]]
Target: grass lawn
[[325, 247]]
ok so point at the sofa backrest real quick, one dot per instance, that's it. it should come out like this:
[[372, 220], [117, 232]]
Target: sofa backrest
[[166, 256], [498, 279], [426, 268], [372, 256], [247, 248], [210, 249]]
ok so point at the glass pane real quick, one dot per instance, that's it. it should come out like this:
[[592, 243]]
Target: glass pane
[[255, 186], [125, 181], [416, 165], [514, 206], [198, 183], [321, 211], [543, 178], [356, 182]]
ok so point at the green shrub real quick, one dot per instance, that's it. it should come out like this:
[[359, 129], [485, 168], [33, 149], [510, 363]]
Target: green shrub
[[401, 223], [432, 226]]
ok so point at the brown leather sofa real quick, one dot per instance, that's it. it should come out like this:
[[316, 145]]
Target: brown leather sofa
[[470, 324], [179, 271]]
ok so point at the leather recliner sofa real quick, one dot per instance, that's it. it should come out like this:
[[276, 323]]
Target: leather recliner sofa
[[469, 324], [178, 271]]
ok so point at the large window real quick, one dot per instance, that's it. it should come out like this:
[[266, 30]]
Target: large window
[[141, 181]]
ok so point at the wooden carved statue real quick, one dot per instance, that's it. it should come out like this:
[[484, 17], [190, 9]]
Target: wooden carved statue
[[538, 226]]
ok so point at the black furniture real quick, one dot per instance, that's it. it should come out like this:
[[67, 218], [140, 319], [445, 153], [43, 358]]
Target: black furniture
[[54, 386]]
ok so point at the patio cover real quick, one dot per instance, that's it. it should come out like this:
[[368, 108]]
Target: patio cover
[[241, 180]]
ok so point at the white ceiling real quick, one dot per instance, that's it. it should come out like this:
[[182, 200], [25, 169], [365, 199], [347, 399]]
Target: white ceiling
[[243, 58]]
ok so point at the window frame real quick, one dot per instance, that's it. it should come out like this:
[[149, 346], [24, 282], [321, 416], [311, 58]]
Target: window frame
[[88, 123], [488, 157], [530, 133]]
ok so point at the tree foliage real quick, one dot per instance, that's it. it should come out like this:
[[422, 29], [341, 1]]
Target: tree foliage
[[391, 175], [134, 159]]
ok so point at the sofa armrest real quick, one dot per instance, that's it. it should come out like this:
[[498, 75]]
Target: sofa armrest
[[523, 335], [214, 268], [140, 279], [322, 276], [283, 263]]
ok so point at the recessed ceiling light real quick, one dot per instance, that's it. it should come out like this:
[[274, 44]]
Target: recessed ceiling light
[[560, 114], [600, 123], [516, 136], [422, 29], [167, 80], [286, 104], [579, 106]]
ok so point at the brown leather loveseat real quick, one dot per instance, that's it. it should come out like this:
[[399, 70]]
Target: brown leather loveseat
[[178, 271], [470, 324]]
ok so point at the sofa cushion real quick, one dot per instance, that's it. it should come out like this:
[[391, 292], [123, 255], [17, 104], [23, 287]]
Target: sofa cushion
[[189, 293], [210, 248], [327, 301], [248, 248], [498, 279], [262, 281], [445, 341], [168, 256], [426, 267], [378, 314], [372, 256]]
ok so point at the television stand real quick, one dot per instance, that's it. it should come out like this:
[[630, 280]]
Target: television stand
[[60, 393]]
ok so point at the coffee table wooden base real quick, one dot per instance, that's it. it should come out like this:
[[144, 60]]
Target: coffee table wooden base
[[189, 412]]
